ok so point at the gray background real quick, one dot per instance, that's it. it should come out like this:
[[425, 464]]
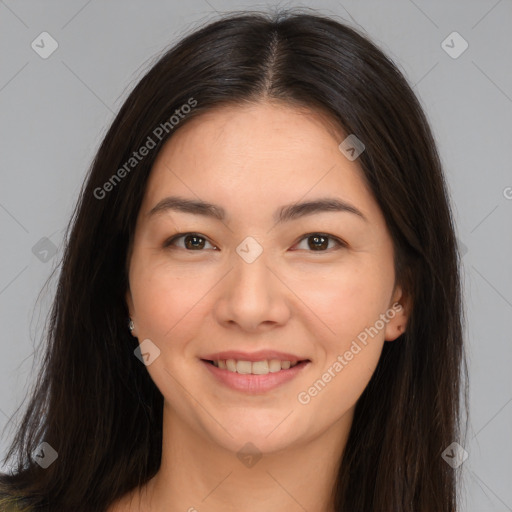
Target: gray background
[[54, 112]]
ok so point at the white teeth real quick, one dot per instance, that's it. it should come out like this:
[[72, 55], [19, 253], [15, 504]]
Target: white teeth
[[255, 368], [243, 367], [260, 367], [275, 365]]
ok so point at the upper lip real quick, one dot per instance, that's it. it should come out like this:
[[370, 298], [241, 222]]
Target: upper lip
[[253, 356]]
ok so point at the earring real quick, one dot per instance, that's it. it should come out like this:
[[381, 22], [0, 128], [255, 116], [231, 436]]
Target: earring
[[130, 325]]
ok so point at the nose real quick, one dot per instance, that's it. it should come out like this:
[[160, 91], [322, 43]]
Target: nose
[[253, 297]]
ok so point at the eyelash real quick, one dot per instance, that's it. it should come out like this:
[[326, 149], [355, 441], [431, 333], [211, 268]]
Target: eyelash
[[341, 244]]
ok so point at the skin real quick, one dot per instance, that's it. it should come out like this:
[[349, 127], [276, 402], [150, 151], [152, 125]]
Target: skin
[[251, 160]]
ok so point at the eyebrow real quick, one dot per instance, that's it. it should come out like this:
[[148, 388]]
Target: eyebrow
[[283, 214]]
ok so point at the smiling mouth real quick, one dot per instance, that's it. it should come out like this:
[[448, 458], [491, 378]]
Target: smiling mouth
[[263, 367]]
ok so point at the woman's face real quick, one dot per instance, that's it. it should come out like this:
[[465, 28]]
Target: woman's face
[[315, 285]]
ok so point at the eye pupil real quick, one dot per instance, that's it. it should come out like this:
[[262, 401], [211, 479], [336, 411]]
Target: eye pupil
[[321, 240], [195, 239]]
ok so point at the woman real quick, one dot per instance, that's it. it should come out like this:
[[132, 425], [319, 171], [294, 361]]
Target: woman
[[259, 305]]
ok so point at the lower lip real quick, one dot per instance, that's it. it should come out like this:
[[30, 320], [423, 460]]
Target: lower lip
[[250, 383]]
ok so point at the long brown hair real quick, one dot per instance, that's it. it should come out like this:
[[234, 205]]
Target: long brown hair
[[97, 405]]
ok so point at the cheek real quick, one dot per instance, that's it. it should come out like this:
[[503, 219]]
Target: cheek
[[347, 300], [168, 305], [350, 302], [335, 390]]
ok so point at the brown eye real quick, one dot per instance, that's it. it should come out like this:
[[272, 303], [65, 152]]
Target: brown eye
[[192, 241], [319, 242], [316, 242]]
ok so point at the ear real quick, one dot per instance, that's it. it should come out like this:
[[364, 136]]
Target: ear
[[398, 313]]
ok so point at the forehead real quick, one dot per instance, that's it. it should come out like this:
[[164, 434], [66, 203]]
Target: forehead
[[255, 155]]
